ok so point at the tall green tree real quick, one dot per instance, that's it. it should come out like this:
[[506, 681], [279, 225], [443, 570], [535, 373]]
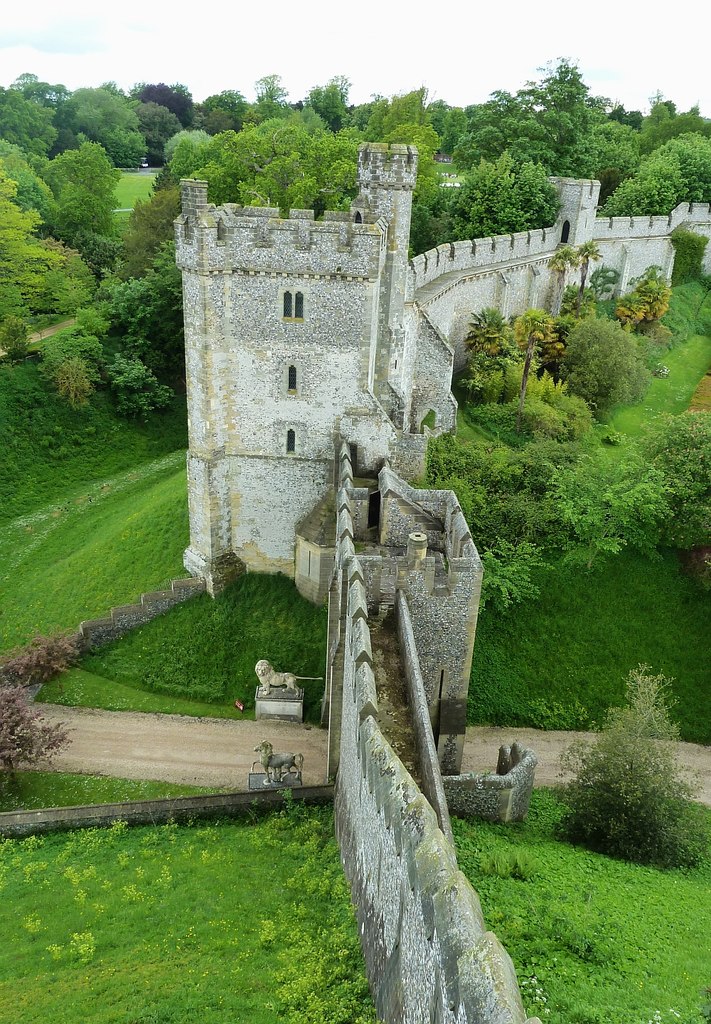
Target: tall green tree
[[157, 125], [547, 121], [24, 260], [500, 198], [280, 164], [221, 112], [330, 102], [177, 98], [489, 333], [25, 123], [102, 116]]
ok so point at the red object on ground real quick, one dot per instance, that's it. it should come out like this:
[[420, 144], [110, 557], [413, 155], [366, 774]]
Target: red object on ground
[[239, 704]]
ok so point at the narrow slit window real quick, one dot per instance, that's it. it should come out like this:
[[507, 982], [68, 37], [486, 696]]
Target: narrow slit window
[[292, 378], [290, 441], [288, 307], [299, 306]]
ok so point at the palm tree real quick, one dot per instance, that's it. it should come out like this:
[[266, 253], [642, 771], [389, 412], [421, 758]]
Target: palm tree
[[562, 259], [586, 252], [489, 332], [534, 327]]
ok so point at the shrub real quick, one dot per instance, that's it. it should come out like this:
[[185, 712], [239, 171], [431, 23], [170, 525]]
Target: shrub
[[23, 739], [13, 339], [628, 796], [73, 381], [688, 255], [41, 659], [137, 390], [72, 343], [603, 365]]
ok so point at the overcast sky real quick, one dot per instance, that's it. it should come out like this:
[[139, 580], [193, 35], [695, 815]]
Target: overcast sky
[[460, 50]]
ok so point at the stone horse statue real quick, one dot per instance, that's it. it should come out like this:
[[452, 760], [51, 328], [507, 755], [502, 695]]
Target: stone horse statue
[[277, 766]]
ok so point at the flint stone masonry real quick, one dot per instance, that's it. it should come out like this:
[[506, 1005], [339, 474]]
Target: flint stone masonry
[[495, 797], [261, 450], [428, 954]]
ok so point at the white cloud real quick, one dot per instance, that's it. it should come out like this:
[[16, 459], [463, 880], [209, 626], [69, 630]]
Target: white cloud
[[461, 51]]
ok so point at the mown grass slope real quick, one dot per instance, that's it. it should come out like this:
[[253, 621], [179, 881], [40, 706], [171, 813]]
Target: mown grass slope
[[229, 922], [594, 940]]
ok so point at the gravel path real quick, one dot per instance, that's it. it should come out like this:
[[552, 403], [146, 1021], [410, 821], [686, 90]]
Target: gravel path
[[220, 752]]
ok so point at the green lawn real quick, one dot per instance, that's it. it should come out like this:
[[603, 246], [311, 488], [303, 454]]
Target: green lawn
[[560, 660], [199, 657], [230, 922], [133, 186], [687, 365], [51, 453], [30, 790], [593, 940], [97, 548]]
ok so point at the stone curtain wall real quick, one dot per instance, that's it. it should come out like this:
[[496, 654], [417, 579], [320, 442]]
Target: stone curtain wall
[[428, 954], [511, 272], [431, 777]]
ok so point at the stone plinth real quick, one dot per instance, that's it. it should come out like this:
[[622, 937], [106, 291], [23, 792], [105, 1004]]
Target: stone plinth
[[281, 705], [258, 782]]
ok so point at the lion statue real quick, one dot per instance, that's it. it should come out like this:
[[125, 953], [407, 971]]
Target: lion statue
[[277, 766], [269, 679]]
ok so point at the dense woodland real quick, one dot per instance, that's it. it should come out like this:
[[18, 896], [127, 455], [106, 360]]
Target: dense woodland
[[534, 389]]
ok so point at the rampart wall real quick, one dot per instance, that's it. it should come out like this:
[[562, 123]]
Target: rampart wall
[[428, 954], [510, 272], [124, 618]]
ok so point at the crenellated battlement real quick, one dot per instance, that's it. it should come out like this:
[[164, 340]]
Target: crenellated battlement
[[257, 239], [391, 166]]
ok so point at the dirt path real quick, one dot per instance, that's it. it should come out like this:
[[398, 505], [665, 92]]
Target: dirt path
[[482, 744], [220, 752], [173, 748]]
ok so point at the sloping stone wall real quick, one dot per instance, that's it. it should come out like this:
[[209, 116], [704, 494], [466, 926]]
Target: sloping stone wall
[[121, 620], [428, 954]]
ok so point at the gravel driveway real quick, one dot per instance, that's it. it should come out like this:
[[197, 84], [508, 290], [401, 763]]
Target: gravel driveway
[[219, 752]]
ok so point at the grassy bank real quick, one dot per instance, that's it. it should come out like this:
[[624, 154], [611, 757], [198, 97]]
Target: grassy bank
[[30, 790], [227, 922], [100, 546], [594, 940], [560, 660], [199, 657], [51, 453]]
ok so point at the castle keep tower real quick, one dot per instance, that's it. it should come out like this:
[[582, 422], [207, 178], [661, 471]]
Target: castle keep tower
[[294, 338]]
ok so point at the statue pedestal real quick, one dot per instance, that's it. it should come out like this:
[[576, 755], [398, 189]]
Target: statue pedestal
[[280, 705], [258, 782]]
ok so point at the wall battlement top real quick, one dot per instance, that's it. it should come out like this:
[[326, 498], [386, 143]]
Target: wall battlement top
[[393, 165], [228, 237]]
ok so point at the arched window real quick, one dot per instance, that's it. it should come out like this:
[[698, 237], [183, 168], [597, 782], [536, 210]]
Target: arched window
[[290, 441], [358, 217], [565, 233], [291, 385], [288, 306], [299, 306], [221, 230]]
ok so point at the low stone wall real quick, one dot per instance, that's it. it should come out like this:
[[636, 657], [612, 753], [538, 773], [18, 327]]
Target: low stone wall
[[121, 620], [427, 952], [16, 824], [431, 776], [495, 797]]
